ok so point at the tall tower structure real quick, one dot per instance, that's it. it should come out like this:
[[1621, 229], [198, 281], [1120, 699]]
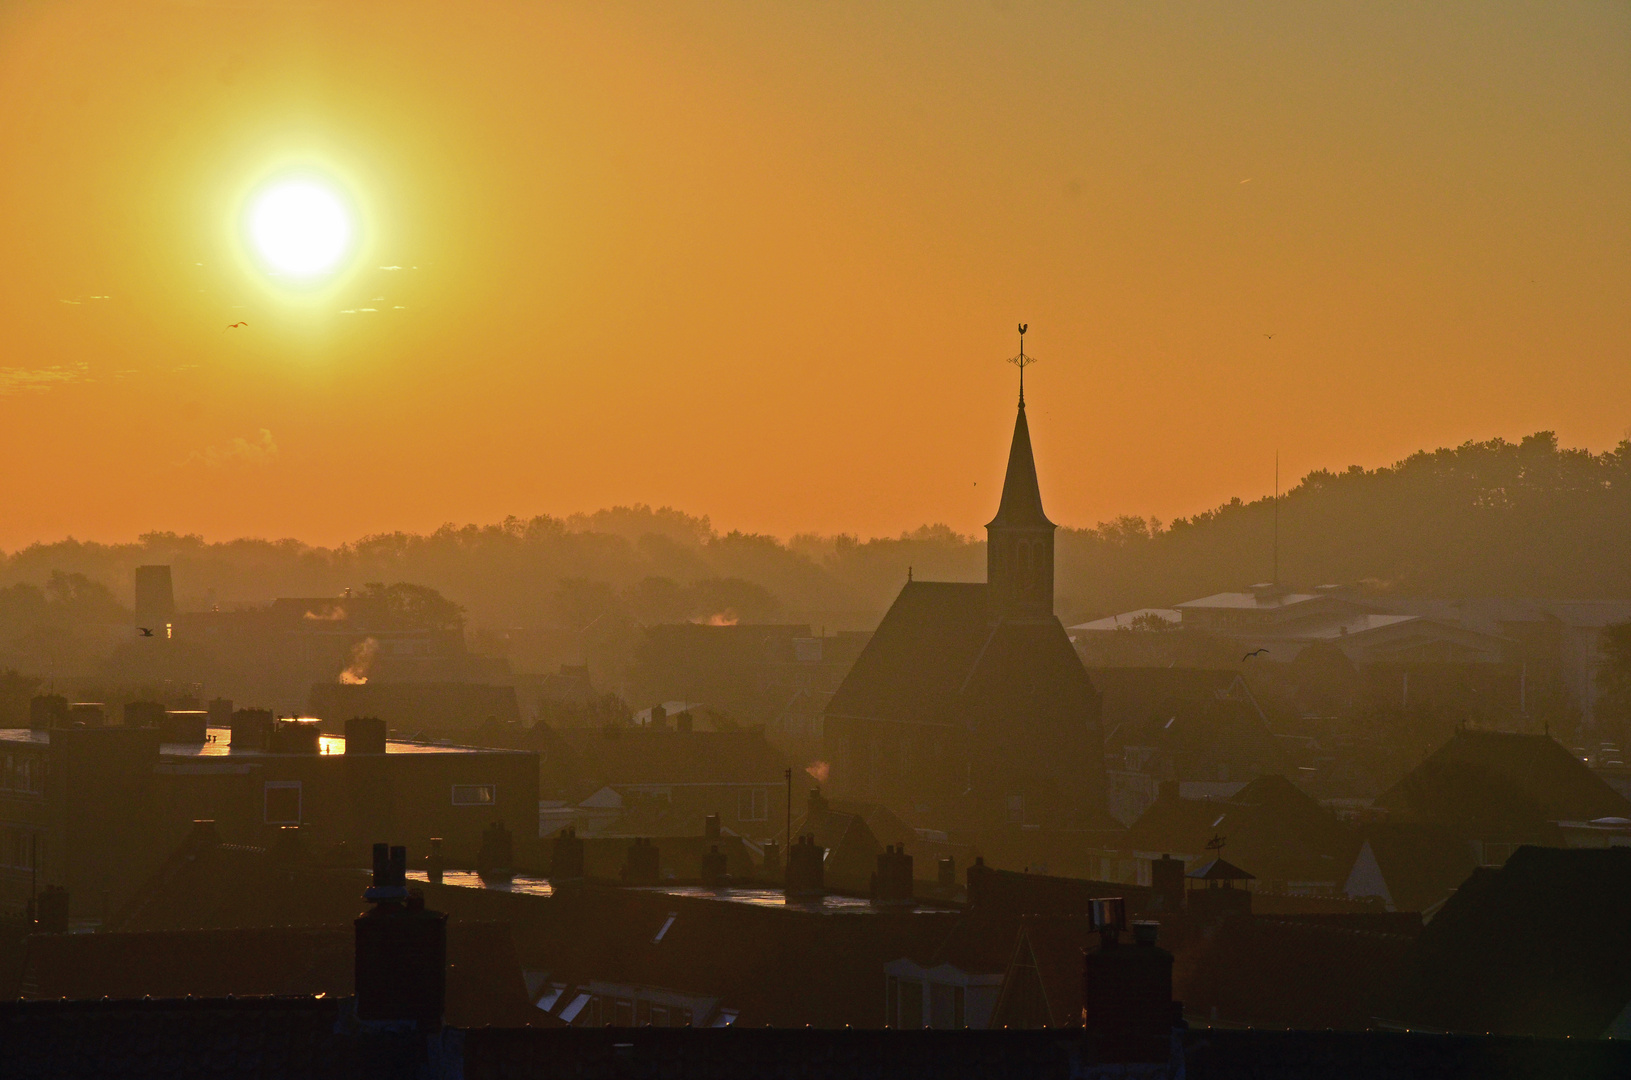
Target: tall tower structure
[[1019, 540]]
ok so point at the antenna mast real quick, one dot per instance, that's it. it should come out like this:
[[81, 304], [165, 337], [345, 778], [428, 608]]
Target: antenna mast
[[1276, 577]]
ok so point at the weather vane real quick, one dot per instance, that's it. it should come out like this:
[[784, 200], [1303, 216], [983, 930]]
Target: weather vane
[[1022, 361], [1216, 844]]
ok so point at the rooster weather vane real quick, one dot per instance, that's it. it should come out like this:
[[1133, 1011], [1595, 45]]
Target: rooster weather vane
[[1022, 361]]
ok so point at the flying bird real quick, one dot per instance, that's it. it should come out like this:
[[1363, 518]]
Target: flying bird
[[234, 326], [1255, 652], [145, 631], [1269, 336]]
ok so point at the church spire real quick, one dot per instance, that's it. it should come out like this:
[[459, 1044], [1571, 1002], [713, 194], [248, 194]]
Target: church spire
[[1021, 496], [1019, 540]]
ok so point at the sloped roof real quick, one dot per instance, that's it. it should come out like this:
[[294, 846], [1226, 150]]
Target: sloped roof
[[1417, 863], [920, 656], [939, 657], [1274, 830], [1500, 782], [1021, 505], [1047, 963], [1541, 946]]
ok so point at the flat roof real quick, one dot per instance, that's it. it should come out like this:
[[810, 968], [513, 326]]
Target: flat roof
[[219, 744], [757, 896]]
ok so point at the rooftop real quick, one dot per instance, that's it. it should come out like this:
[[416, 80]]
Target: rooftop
[[219, 744]]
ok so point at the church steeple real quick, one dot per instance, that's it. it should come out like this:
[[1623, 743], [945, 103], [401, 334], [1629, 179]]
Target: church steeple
[[1019, 540]]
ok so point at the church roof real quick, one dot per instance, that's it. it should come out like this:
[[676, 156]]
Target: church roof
[[1021, 505], [938, 652]]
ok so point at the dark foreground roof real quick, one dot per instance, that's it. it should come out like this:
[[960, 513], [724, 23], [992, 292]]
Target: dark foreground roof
[[247, 1038], [1034, 1055], [299, 1038], [1541, 946]]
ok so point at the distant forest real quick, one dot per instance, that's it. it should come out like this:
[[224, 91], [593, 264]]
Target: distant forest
[[1485, 518]]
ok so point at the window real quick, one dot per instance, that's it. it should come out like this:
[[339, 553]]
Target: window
[[282, 802], [753, 805], [475, 794]]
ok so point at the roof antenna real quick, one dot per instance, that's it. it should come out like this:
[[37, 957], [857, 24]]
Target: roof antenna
[[908, 573], [1022, 362], [1276, 578]]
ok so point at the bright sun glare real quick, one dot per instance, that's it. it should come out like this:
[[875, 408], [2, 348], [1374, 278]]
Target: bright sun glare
[[300, 227]]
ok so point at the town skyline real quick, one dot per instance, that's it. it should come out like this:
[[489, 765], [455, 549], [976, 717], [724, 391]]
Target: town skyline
[[769, 250]]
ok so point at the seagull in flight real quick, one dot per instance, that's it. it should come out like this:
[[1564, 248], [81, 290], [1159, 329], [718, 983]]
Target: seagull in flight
[[234, 326], [1255, 652], [146, 631]]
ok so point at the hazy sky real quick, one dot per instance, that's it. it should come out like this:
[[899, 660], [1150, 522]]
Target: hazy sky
[[764, 260]]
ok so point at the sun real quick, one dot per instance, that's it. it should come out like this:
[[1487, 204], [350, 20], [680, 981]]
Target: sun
[[300, 228]]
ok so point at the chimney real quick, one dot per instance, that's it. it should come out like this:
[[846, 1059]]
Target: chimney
[[640, 864], [251, 729], [566, 859], [220, 710], [713, 866], [495, 859], [47, 711], [1109, 916], [87, 714], [401, 953], [892, 881], [1127, 1007], [772, 864], [51, 911], [294, 736], [977, 879], [1166, 884], [659, 718], [683, 722], [817, 803], [806, 868], [184, 726], [710, 827], [435, 865], [364, 735], [947, 868]]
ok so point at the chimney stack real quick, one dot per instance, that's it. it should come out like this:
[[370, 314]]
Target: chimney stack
[[713, 866], [252, 729], [806, 868], [566, 859], [364, 735], [435, 864], [947, 868], [401, 948], [892, 882], [495, 859], [47, 711], [295, 736], [51, 911], [1127, 1009], [641, 864], [772, 863], [710, 827]]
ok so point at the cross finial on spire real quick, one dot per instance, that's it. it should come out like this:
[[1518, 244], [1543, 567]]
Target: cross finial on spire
[[1022, 361]]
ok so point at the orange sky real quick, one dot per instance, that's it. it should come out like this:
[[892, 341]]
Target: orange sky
[[762, 261]]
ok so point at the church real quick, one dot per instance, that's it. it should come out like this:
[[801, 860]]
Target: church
[[969, 707]]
